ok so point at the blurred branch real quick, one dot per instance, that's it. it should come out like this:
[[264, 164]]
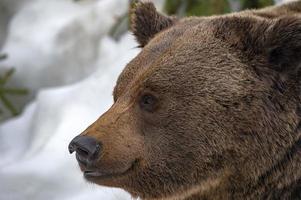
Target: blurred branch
[[13, 91], [6, 76], [8, 105], [4, 91], [3, 56], [120, 27]]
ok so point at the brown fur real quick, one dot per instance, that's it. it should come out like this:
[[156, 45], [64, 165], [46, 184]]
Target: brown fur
[[210, 108]]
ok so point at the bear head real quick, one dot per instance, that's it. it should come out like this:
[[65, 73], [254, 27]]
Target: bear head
[[209, 101]]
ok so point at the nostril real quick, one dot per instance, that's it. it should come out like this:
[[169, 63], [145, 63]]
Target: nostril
[[97, 151], [86, 147], [82, 152]]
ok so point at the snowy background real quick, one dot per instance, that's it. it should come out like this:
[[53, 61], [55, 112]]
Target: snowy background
[[62, 53]]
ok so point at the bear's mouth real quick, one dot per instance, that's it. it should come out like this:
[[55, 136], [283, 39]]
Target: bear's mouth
[[95, 174], [92, 174]]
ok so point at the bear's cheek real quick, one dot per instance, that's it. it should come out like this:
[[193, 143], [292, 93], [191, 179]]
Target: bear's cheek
[[120, 152]]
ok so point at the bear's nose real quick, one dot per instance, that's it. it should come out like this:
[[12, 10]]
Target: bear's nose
[[86, 147]]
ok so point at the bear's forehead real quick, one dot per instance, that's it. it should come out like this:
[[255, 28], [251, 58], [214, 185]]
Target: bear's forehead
[[185, 50], [146, 58]]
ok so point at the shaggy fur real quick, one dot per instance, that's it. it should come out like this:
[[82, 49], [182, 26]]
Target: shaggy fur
[[210, 108]]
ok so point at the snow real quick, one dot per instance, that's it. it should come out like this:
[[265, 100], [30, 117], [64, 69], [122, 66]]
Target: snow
[[54, 43], [63, 55], [43, 132]]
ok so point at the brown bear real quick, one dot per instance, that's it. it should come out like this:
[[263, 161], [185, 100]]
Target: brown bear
[[210, 109]]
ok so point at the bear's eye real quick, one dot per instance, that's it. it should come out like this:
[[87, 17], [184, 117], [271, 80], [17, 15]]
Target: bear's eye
[[148, 102]]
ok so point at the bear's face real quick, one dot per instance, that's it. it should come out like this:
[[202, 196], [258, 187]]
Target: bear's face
[[208, 100]]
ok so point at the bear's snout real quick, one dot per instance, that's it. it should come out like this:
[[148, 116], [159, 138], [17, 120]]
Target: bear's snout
[[87, 148]]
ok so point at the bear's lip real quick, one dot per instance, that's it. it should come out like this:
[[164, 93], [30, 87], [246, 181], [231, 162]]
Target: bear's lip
[[96, 174]]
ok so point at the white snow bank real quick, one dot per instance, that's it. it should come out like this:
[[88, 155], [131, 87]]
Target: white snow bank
[[35, 163], [53, 43]]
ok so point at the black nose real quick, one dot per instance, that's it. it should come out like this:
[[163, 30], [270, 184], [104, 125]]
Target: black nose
[[86, 147]]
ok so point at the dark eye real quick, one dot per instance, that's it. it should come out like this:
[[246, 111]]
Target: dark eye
[[148, 102]]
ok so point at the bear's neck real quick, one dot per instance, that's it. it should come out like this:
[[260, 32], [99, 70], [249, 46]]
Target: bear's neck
[[282, 181]]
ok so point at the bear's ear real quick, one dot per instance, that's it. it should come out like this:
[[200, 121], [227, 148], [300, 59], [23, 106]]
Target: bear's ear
[[145, 21], [283, 43]]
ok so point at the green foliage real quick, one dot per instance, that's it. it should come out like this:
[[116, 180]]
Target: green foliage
[[209, 7], [249, 4], [196, 7], [5, 91]]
